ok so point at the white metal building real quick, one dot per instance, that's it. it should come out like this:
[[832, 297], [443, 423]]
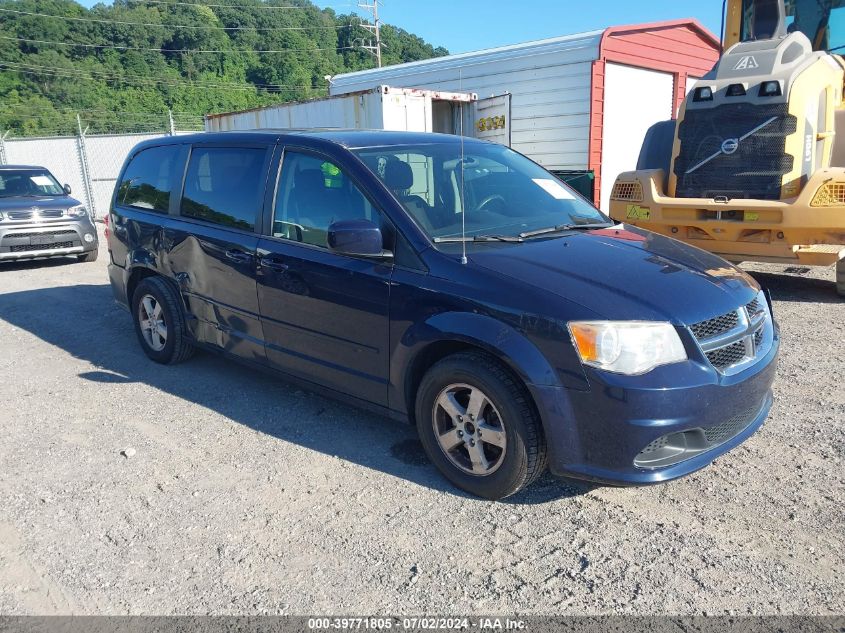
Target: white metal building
[[579, 104]]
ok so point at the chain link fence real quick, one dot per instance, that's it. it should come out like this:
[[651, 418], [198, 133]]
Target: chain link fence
[[90, 163]]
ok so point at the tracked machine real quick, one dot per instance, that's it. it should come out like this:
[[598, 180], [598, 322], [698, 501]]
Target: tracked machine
[[754, 167]]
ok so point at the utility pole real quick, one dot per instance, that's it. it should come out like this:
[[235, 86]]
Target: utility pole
[[375, 28]]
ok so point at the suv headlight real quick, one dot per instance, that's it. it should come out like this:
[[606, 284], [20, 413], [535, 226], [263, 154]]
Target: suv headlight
[[627, 347], [78, 211]]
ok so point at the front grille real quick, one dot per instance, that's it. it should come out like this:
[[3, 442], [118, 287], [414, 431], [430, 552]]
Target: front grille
[[674, 448], [831, 194], [731, 427], [656, 445], [757, 166], [729, 356], [52, 234], [20, 215], [630, 191], [715, 327], [734, 339], [51, 213], [23, 248]]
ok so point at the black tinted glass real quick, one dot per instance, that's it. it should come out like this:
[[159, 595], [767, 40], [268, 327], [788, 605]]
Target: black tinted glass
[[225, 185], [28, 182], [313, 194], [147, 181]]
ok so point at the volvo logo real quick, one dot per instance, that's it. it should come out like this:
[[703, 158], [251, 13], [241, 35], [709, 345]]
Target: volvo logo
[[730, 146]]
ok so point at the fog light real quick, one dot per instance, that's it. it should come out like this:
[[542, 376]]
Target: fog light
[[88, 238]]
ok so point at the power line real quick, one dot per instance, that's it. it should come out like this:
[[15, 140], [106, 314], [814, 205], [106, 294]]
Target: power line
[[138, 115], [241, 6], [375, 28], [178, 50], [105, 76], [181, 26]]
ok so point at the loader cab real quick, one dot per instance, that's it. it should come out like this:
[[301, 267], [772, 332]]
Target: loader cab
[[822, 21]]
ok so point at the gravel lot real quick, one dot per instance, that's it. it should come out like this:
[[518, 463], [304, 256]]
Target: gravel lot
[[248, 496]]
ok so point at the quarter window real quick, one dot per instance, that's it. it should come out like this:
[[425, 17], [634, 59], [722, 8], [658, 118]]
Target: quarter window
[[314, 193], [147, 181], [224, 185]]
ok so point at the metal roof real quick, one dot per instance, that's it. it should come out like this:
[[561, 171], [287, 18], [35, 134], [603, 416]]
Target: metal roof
[[584, 43]]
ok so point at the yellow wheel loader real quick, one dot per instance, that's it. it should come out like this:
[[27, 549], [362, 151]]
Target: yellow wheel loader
[[754, 167]]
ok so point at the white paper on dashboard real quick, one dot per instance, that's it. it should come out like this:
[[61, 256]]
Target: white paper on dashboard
[[554, 189], [41, 181]]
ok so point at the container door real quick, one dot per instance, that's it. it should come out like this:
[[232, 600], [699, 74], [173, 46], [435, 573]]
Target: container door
[[491, 119], [634, 100]]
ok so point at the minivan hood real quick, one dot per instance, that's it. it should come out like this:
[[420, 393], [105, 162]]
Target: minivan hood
[[626, 273], [41, 202]]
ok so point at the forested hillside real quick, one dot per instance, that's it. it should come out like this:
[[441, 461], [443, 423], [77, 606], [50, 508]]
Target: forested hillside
[[125, 64]]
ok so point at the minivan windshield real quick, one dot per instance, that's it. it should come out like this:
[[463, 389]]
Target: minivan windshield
[[28, 183], [482, 191]]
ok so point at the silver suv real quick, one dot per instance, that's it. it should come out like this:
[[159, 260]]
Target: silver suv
[[38, 218]]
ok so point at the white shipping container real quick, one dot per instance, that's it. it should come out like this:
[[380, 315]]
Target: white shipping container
[[380, 108], [581, 104]]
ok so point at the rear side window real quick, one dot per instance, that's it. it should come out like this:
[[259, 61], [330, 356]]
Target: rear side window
[[225, 185], [147, 181]]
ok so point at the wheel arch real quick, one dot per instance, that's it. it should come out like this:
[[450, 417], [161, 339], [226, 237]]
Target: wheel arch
[[136, 275], [450, 333]]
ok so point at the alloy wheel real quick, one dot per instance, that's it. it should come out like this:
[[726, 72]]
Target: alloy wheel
[[469, 429], [151, 320]]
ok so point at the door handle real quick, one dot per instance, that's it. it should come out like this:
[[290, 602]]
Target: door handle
[[238, 256], [273, 264]]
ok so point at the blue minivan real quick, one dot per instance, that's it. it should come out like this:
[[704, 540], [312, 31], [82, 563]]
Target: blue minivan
[[451, 283]]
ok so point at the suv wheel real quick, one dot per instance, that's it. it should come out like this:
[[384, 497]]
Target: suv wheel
[[477, 424], [840, 277], [160, 323]]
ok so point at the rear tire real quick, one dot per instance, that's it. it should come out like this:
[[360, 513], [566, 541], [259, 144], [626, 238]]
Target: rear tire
[[89, 257], [160, 322], [840, 277], [479, 427]]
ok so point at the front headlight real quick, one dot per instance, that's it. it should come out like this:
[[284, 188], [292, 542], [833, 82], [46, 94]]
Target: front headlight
[[78, 211], [627, 347]]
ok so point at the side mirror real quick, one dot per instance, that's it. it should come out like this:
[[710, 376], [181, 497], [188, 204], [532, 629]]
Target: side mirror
[[361, 238], [67, 189]]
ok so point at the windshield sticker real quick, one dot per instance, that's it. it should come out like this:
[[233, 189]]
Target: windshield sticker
[[41, 181], [554, 188]]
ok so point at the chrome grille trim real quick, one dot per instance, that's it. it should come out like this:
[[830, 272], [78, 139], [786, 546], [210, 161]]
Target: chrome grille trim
[[733, 341]]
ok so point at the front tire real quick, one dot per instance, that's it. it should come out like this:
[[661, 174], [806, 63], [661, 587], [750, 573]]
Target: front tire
[[840, 277], [478, 426], [160, 322]]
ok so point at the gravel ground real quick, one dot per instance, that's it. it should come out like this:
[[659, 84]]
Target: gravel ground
[[245, 495]]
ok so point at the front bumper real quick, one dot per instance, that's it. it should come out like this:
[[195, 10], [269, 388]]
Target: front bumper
[[794, 231], [43, 239], [602, 434]]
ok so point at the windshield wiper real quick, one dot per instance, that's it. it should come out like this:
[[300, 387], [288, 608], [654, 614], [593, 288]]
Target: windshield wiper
[[564, 227], [478, 238]]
